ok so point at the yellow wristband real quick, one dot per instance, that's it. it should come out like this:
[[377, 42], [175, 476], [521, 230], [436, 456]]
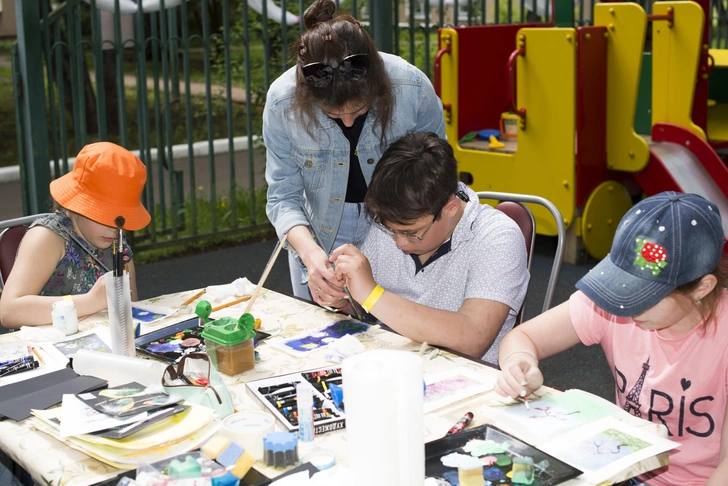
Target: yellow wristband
[[373, 298], [67, 297]]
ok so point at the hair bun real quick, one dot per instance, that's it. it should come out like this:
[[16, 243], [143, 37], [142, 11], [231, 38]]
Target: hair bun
[[319, 11]]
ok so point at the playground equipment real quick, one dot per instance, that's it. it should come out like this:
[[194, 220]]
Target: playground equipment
[[575, 92], [128, 7]]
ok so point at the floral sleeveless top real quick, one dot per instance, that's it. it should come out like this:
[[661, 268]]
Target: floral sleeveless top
[[78, 270]]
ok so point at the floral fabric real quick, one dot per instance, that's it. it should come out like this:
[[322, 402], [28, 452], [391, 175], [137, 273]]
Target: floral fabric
[[78, 270]]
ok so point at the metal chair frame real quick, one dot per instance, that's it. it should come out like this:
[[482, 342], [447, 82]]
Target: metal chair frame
[[522, 199]]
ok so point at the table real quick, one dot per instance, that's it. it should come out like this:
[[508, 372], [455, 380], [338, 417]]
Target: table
[[52, 462]]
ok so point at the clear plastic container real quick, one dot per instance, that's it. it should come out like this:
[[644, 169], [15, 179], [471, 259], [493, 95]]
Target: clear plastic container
[[229, 344]]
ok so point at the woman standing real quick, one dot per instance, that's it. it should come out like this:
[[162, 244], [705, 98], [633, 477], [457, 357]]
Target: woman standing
[[326, 123]]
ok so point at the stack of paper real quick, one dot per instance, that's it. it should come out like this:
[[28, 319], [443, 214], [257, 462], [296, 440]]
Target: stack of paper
[[126, 439]]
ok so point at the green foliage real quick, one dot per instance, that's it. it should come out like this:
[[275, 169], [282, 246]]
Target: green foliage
[[148, 252]]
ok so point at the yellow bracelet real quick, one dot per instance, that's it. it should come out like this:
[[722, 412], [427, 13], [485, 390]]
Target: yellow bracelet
[[67, 297], [373, 298]]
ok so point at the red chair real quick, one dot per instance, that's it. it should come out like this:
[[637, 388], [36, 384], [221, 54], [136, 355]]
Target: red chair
[[513, 206], [11, 232]]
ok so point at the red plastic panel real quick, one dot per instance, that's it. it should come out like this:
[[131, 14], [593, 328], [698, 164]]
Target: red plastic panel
[[591, 111], [482, 77], [667, 132]]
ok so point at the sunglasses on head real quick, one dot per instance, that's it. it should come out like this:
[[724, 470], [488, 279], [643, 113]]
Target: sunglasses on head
[[320, 74]]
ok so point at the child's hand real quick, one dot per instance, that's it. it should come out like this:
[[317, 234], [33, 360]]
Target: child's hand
[[519, 377], [97, 296]]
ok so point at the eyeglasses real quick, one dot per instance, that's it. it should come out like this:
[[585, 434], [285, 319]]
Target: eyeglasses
[[320, 74], [409, 235]]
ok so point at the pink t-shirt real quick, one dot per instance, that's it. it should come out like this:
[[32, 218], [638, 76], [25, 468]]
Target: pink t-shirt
[[680, 383]]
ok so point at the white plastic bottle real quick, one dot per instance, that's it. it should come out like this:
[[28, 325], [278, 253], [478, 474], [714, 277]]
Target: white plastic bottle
[[64, 317], [304, 400]]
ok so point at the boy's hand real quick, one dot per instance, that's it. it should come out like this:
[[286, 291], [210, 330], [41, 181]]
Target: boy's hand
[[353, 268]]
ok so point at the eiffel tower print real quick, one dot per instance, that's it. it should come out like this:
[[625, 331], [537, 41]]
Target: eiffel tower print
[[632, 405]]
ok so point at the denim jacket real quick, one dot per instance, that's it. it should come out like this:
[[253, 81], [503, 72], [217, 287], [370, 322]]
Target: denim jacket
[[312, 172]]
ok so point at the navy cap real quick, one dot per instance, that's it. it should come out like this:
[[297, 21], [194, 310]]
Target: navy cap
[[663, 241]]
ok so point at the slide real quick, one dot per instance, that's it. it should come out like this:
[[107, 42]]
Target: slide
[[682, 161]]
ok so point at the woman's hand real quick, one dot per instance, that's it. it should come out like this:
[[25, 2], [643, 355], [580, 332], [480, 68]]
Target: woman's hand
[[325, 288], [519, 377]]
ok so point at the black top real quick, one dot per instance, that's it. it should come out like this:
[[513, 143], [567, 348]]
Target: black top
[[356, 186]]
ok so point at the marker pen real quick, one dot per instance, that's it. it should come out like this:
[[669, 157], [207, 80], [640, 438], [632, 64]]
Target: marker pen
[[19, 367], [461, 424]]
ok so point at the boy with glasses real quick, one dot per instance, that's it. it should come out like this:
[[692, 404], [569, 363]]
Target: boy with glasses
[[437, 266]]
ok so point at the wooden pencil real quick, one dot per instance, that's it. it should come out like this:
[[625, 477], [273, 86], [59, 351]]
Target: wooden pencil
[[193, 298], [236, 301]]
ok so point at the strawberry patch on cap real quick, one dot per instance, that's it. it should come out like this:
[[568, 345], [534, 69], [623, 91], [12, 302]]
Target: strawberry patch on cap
[[650, 256]]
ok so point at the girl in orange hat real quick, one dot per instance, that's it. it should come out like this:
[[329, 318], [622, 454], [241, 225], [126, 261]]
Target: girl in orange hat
[[66, 254]]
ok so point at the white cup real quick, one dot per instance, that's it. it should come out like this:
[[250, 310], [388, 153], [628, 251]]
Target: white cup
[[64, 317]]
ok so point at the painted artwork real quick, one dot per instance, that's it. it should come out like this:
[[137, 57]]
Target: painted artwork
[[603, 449], [90, 341], [606, 447], [176, 345], [146, 316], [503, 458], [548, 417], [453, 385], [324, 337]]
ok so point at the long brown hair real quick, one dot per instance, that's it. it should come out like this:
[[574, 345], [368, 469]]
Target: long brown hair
[[708, 305], [330, 38]]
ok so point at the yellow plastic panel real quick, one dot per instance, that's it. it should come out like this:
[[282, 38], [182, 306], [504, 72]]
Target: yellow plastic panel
[[449, 82], [675, 57], [603, 210], [545, 157], [626, 26], [718, 122], [720, 57]]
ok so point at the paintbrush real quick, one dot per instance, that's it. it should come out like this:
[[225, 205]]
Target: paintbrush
[[119, 257], [267, 270]]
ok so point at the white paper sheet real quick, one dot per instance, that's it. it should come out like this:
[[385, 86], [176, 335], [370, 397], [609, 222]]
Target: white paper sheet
[[604, 448], [453, 385]]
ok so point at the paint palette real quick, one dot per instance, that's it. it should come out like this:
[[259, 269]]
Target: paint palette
[[278, 394], [173, 342], [496, 450]]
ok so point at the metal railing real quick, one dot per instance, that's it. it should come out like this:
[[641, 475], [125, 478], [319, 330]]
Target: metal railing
[[184, 87]]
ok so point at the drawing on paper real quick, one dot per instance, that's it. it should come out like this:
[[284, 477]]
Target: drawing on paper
[[174, 346], [326, 336], [448, 386], [551, 416], [146, 316], [602, 449], [90, 341]]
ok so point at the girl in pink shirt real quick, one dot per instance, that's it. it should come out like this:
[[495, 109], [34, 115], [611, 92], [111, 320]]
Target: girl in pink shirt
[[658, 306]]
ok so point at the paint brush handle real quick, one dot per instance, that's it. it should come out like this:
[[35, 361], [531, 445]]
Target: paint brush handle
[[236, 301], [267, 270], [193, 298]]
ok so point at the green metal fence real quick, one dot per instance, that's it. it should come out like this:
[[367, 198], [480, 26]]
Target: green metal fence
[[184, 87]]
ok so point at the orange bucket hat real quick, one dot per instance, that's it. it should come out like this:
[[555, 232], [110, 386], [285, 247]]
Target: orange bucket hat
[[106, 182]]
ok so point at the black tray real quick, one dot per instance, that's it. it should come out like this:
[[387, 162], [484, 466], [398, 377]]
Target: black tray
[[194, 325], [547, 473]]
